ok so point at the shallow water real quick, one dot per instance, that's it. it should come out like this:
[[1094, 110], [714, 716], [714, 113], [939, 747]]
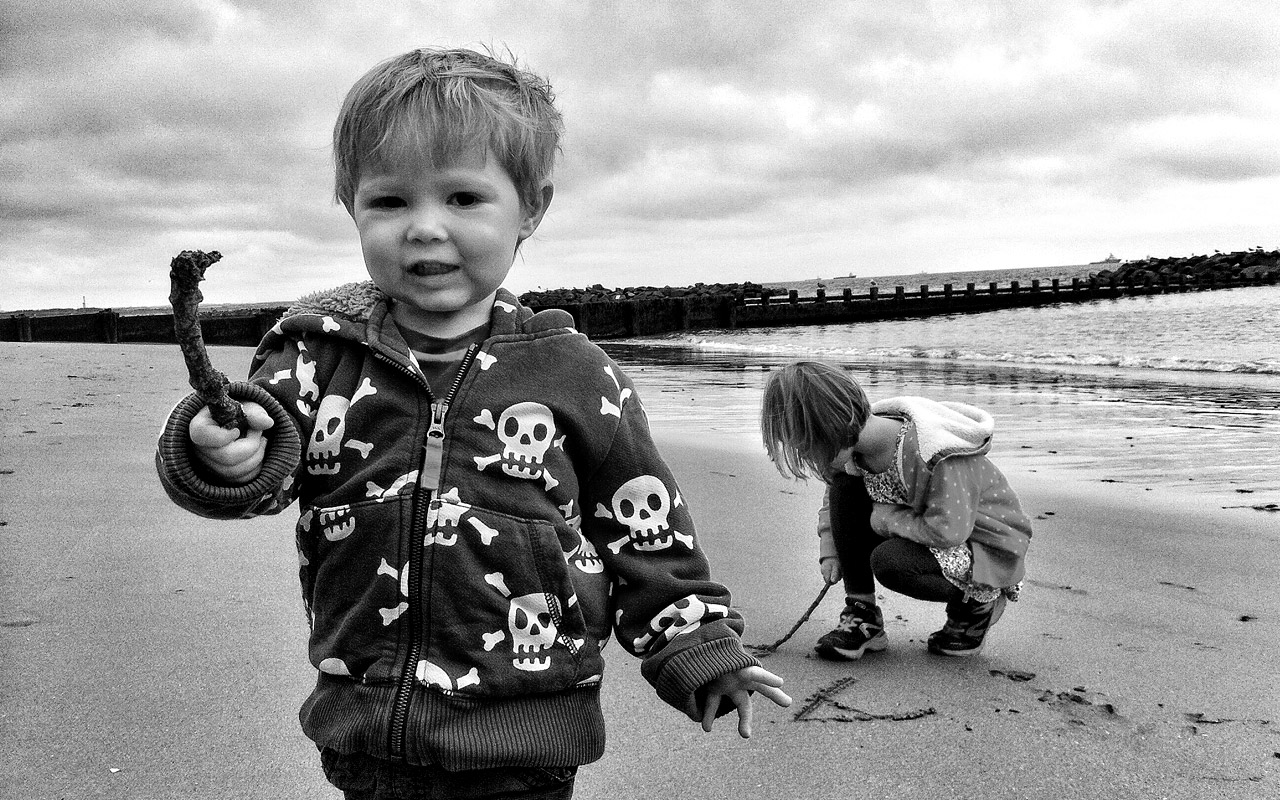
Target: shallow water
[[1168, 390]]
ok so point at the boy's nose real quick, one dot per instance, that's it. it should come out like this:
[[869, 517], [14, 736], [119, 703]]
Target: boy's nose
[[427, 224]]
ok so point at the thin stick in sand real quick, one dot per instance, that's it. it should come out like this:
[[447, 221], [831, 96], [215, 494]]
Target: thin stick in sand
[[766, 649]]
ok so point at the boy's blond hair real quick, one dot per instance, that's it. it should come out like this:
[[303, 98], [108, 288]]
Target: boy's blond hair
[[810, 412], [445, 103]]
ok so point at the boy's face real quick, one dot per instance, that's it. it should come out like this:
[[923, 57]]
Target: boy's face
[[440, 239]]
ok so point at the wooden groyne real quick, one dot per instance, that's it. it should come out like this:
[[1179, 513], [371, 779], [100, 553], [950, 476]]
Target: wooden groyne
[[603, 319], [717, 308], [106, 325]]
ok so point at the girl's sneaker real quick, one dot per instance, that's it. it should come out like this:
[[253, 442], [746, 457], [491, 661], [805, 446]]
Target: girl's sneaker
[[861, 629], [966, 630]]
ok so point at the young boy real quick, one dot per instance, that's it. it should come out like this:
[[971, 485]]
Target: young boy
[[481, 501], [912, 500]]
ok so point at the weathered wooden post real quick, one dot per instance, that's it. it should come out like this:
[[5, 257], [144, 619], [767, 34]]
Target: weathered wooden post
[[109, 326]]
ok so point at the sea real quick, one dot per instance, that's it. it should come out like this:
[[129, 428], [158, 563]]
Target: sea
[[1175, 390]]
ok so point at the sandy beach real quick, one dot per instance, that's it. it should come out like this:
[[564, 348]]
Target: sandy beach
[[147, 653]]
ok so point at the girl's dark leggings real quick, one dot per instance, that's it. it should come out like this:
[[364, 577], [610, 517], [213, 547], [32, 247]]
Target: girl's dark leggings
[[903, 566]]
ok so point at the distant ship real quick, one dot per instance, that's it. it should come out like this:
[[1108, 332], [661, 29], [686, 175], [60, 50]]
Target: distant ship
[[1110, 259]]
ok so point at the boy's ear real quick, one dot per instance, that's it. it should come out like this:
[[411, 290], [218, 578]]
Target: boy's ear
[[534, 217]]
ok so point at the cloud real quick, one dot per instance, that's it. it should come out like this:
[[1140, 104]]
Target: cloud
[[748, 139]]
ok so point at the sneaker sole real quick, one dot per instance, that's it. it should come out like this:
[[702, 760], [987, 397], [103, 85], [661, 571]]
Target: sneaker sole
[[943, 651], [842, 654], [995, 617]]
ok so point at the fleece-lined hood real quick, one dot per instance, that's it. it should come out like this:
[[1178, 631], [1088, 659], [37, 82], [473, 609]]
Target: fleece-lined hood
[[943, 428]]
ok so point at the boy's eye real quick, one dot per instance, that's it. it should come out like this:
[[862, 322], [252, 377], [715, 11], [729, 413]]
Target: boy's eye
[[465, 199], [386, 201]]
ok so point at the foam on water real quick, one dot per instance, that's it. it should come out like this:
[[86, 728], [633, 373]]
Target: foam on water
[[1172, 390], [1235, 331]]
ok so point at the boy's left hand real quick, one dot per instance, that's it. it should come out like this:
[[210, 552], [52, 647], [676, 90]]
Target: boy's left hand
[[737, 686]]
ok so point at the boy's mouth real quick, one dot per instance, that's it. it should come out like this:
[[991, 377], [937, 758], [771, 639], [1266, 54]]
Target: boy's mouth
[[427, 268]]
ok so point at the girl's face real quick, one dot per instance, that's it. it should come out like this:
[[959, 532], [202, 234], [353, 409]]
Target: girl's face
[[440, 240]]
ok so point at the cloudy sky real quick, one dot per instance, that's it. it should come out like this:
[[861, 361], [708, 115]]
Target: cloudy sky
[[707, 141]]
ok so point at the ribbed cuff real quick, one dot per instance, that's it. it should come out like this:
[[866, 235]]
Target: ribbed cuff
[[284, 450], [683, 673]]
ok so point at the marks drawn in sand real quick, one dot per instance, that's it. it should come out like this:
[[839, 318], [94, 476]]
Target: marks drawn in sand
[[822, 706]]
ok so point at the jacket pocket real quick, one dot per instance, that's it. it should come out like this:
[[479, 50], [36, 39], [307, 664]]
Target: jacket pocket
[[354, 569], [504, 617]]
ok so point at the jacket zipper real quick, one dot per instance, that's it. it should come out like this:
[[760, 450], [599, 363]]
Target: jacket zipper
[[433, 446]]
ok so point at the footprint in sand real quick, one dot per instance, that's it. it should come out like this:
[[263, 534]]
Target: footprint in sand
[[1015, 675], [1056, 587], [1080, 706]]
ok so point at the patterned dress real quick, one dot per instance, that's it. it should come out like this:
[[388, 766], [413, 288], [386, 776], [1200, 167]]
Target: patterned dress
[[956, 562]]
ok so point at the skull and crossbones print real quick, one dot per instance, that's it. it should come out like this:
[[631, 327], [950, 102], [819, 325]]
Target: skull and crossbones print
[[644, 506], [528, 433]]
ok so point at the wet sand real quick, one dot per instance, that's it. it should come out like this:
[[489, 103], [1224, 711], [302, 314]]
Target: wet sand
[[147, 653]]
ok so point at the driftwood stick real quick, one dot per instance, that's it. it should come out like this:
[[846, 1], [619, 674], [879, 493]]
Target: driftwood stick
[[765, 649], [186, 270]]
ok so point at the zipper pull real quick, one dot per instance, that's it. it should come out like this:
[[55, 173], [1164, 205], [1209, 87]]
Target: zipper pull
[[433, 449]]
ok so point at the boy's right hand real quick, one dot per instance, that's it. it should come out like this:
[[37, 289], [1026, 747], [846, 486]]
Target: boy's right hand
[[234, 458], [831, 572]]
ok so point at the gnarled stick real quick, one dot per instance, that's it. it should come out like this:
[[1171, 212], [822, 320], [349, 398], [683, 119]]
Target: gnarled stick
[[186, 270]]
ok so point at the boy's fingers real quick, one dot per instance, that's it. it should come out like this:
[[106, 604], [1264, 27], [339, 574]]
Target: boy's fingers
[[769, 685], [744, 715], [257, 416], [206, 433], [244, 469], [243, 472], [778, 696], [763, 676], [237, 450], [709, 710]]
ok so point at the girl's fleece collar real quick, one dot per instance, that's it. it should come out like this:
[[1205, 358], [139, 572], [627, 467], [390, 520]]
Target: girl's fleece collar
[[942, 428]]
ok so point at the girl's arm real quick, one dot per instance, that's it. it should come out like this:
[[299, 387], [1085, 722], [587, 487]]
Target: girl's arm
[[949, 512], [826, 541]]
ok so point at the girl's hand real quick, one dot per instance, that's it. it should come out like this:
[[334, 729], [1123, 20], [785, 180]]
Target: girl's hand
[[831, 571], [224, 452], [738, 686]]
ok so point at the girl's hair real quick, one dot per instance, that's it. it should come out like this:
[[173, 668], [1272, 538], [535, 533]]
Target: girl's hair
[[444, 104], [810, 412]]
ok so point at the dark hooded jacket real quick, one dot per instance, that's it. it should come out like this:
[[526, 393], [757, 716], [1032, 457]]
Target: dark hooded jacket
[[458, 613]]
